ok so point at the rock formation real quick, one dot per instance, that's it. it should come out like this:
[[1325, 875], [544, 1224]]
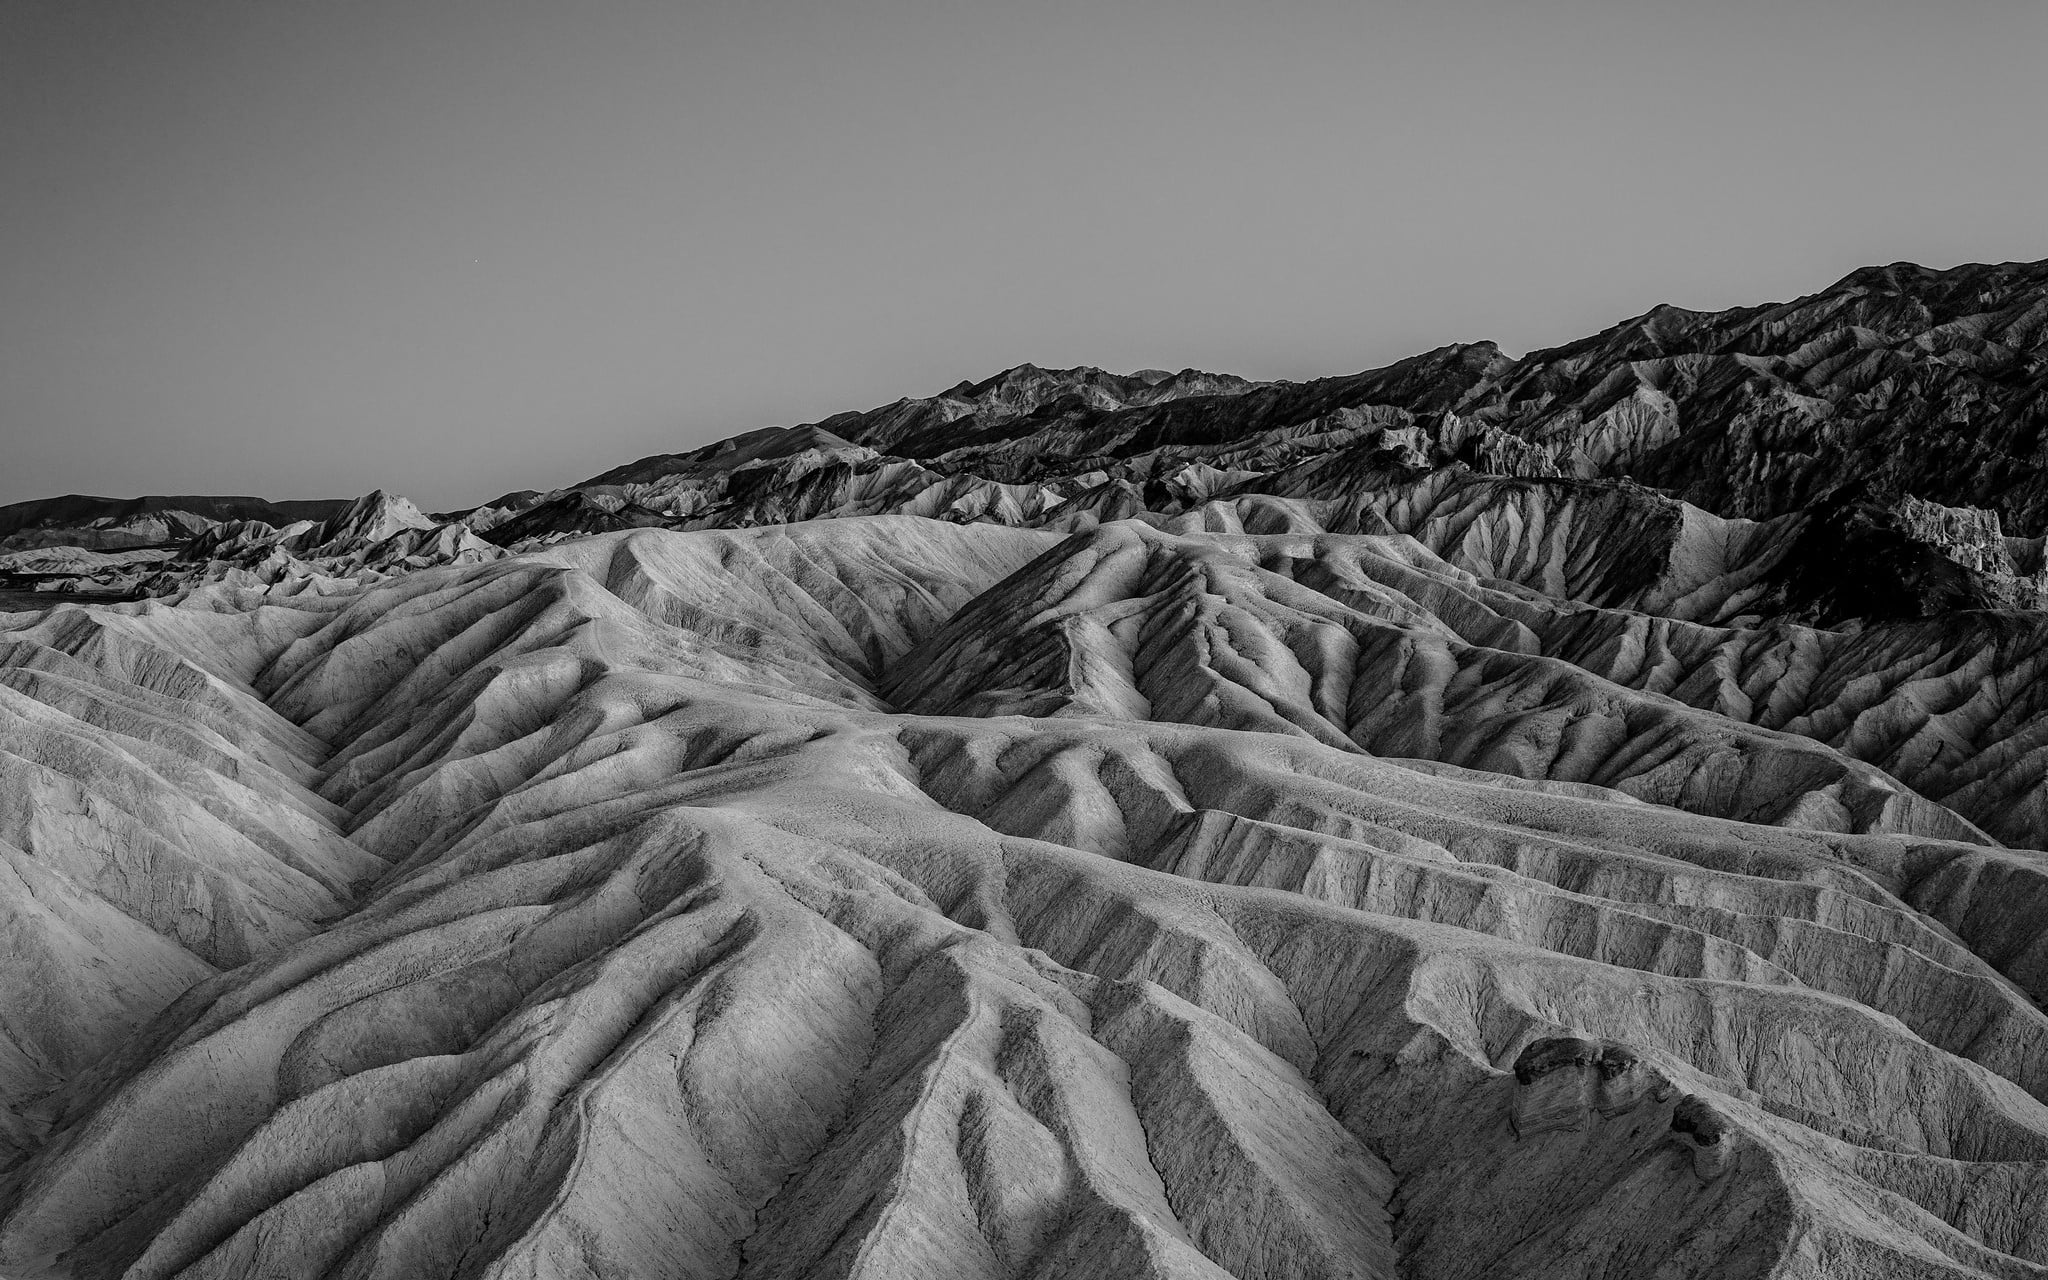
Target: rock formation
[[1569, 816]]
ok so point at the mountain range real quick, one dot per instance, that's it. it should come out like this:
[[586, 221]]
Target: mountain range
[[1576, 815]]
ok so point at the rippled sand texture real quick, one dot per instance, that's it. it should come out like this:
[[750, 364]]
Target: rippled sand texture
[[892, 898]]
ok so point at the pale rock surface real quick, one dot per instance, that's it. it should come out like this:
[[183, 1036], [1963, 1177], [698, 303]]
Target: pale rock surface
[[892, 897]]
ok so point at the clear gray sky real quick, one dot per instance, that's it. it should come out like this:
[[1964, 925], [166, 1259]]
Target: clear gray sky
[[456, 247]]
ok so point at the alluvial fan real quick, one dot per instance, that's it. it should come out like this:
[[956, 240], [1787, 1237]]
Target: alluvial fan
[[1570, 816]]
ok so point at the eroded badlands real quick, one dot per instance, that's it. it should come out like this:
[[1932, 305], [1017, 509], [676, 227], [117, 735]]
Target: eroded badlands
[[1295, 840], [888, 897]]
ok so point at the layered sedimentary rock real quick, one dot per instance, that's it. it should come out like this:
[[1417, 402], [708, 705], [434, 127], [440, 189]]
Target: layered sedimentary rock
[[1083, 826]]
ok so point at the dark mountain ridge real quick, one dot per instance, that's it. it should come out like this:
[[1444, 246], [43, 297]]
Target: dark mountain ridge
[[1893, 420], [1896, 379], [73, 508]]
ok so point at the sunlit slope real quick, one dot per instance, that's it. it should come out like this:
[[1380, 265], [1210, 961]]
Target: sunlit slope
[[888, 897]]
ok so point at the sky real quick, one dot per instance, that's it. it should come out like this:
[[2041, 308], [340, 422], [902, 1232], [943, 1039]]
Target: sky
[[452, 248]]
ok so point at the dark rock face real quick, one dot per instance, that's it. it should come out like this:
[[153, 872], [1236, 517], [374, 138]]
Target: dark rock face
[[1894, 380], [1559, 1052], [1696, 1119]]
